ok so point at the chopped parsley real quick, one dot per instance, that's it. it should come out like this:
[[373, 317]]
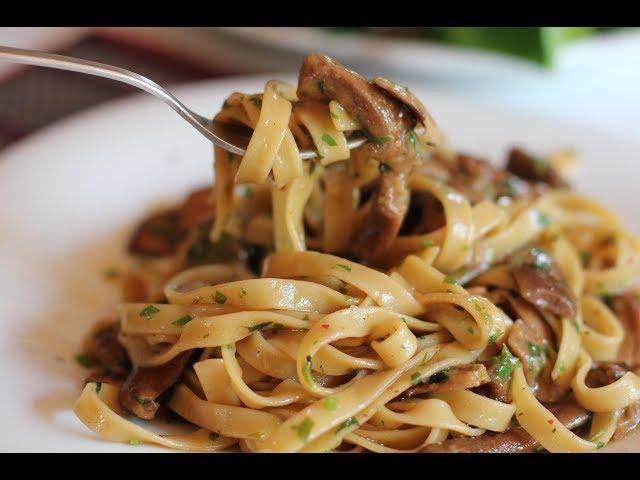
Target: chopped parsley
[[471, 330], [333, 115], [416, 378], [599, 445], [329, 140], [306, 371], [541, 259], [182, 320], [427, 243], [346, 268], [534, 349], [248, 191], [85, 361], [411, 138], [562, 368], [134, 441], [494, 335], [220, 297], [330, 403], [450, 279], [575, 324], [349, 422], [378, 140], [257, 102], [383, 167], [506, 363], [439, 377], [543, 220], [304, 429], [258, 327], [213, 436], [596, 436], [149, 311], [229, 346], [111, 273], [98, 387]]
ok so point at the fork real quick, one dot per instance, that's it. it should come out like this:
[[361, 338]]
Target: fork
[[231, 137]]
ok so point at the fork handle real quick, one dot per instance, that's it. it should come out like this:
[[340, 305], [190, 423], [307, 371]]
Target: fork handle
[[61, 62]]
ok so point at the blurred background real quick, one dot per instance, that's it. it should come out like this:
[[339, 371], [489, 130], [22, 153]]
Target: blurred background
[[582, 75]]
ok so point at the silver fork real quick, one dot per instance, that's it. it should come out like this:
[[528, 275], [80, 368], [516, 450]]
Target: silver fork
[[228, 136]]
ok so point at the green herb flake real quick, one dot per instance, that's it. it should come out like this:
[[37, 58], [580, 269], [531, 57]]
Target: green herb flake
[[220, 297], [439, 377], [149, 311], [562, 368], [304, 429], [321, 86], [378, 140], [333, 115], [383, 167], [182, 320], [346, 268], [213, 436], [506, 363], [134, 441], [247, 192], [599, 445], [306, 371], [596, 436], [494, 335], [257, 102], [416, 378], [312, 166], [575, 324], [411, 139], [585, 257], [534, 349], [449, 279], [98, 387], [330, 403], [329, 140], [471, 330], [427, 243], [259, 327], [111, 273], [349, 422], [543, 220], [85, 361], [229, 346]]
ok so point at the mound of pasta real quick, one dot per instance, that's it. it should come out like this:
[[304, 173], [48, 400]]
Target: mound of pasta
[[397, 297]]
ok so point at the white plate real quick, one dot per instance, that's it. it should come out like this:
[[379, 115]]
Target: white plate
[[70, 195]]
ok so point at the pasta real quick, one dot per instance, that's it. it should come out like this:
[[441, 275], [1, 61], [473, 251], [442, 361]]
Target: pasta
[[400, 297]]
